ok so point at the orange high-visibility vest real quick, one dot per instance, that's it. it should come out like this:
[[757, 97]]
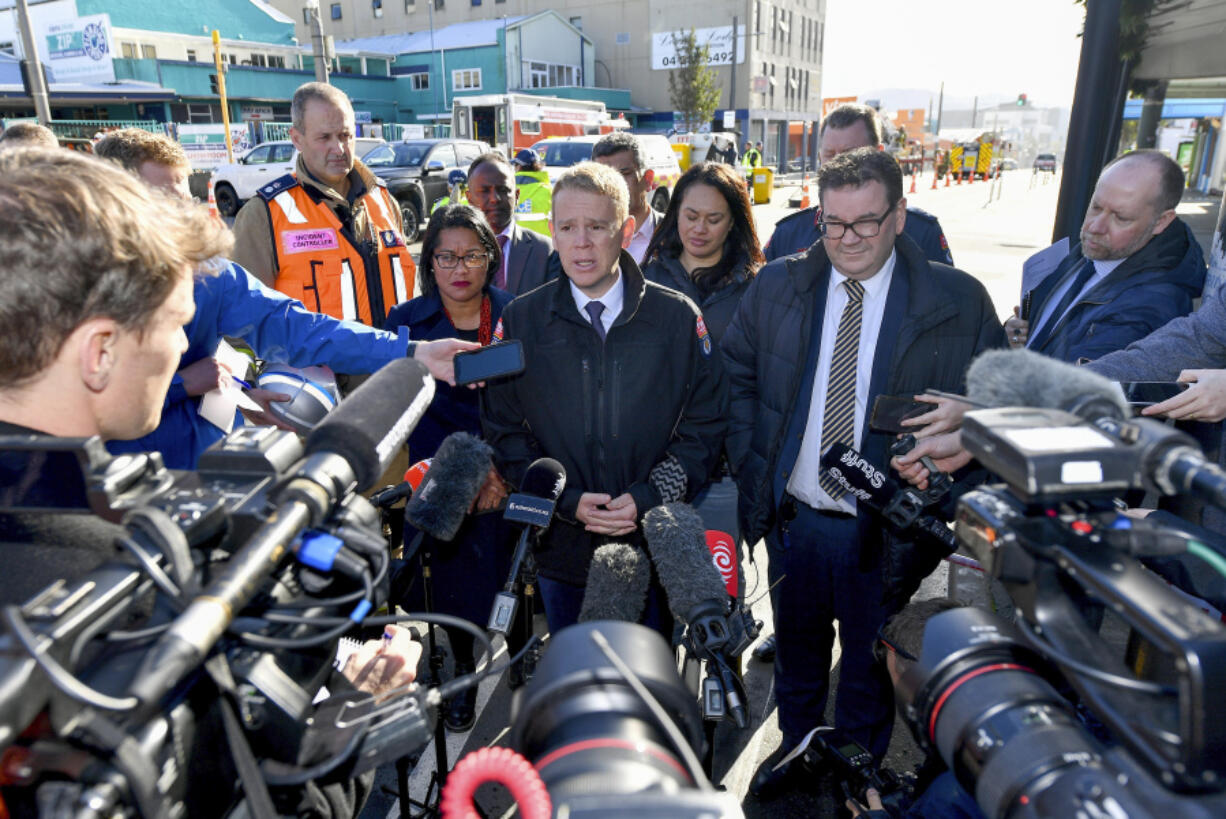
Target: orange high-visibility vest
[[318, 265]]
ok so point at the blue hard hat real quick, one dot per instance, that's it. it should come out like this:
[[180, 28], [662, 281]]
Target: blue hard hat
[[457, 177], [526, 157]]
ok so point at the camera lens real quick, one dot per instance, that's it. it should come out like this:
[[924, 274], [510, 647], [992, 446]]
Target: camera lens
[[586, 730], [977, 696]]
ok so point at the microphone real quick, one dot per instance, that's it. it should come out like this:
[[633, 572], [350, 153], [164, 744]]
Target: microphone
[[532, 506], [904, 508], [456, 474], [715, 631], [1023, 378], [617, 584], [368, 431], [365, 431], [413, 476]]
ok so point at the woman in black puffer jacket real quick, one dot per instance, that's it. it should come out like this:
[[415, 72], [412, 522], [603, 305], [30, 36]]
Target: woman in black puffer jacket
[[706, 247]]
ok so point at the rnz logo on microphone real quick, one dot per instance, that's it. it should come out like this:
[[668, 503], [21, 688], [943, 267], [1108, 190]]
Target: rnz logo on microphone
[[853, 460]]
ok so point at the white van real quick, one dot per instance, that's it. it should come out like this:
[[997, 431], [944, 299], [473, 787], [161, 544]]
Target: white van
[[559, 153]]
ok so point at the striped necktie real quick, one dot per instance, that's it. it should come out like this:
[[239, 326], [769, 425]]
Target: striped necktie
[[500, 280], [839, 420]]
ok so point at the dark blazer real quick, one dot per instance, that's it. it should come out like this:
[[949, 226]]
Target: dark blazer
[[528, 267], [936, 320]]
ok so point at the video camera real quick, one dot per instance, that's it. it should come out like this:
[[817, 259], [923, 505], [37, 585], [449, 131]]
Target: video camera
[[989, 696], [827, 748], [233, 640]]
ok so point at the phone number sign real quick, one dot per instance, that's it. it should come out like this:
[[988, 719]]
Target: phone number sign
[[718, 40]]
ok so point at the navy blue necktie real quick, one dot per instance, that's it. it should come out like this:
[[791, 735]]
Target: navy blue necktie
[[1079, 283], [594, 309]]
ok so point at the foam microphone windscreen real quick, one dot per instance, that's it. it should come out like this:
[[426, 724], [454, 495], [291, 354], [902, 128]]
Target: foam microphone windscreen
[[1023, 378], [677, 540], [544, 478], [457, 472], [373, 423], [617, 584], [858, 476]]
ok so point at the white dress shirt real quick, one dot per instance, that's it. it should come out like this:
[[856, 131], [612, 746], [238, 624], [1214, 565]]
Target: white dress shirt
[[803, 482], [642, 237], [612, 300]]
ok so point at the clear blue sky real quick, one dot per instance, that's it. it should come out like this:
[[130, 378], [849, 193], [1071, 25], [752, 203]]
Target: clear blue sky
[[987, 48]]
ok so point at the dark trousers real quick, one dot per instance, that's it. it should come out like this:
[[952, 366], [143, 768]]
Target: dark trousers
[[820, 555]]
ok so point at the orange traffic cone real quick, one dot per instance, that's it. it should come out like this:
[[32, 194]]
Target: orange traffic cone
[[935, 178], [914, 174], [948, 174], [958, 177], [970, 177], [804, 192], [213, 201]]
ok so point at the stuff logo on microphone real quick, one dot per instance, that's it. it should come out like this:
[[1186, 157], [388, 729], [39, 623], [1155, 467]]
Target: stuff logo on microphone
[[854, 461]]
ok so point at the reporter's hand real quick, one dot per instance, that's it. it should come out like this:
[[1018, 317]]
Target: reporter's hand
[[946, 417], [1205, 400], [945, 450], [439, 356], [265, 398], [492, 493], [382, 666], [874, 803], [618, 517], [1017, 329], [203, 376]]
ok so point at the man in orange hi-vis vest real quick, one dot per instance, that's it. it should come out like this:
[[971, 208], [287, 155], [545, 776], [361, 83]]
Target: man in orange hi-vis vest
[[329, 234]]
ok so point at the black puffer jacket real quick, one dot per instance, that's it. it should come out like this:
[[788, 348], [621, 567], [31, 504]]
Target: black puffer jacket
[[718, 307], [652, 392], [937, 319]]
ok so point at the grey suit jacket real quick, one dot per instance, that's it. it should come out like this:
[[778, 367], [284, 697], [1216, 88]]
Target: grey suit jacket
[[526, 269]]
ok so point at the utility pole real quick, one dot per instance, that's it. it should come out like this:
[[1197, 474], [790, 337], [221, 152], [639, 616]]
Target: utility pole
[[36, 83], [732, 93], [940, 108], [221, 93], [318, 43], [442, 77]]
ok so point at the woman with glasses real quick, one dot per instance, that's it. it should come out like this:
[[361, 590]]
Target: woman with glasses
[[706, 247], [459, 257]]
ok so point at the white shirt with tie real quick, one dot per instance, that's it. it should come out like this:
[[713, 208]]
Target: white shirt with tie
[[613, 299], [803, 482]]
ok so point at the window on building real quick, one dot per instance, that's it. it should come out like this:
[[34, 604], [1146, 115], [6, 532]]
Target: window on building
[[258, 59], [306, 16], [466, 79], [233, 60], [200, 112], [149, 52], [410, 6], [276, 62], [438, 4], [191, 56], [476, 2], [419, 82], [336, 11], [128, 50], [376, 7], [551, 75], [577, 22]]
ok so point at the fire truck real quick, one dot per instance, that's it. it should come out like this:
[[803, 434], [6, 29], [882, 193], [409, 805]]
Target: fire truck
[[510, 122]]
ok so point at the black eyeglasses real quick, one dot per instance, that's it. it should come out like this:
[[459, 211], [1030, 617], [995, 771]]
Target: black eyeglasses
[[864, 228], [881, 644], [473, 261]]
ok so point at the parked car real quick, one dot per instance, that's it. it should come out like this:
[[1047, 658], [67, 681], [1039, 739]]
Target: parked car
[[559, 153], [1045, 162], [416, 172], [236, 182]]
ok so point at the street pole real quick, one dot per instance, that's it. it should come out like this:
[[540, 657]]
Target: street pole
[[974, 111], [442, 77], [221, 92], [732, 93], [940, 109], [318, 45], [36, 82]]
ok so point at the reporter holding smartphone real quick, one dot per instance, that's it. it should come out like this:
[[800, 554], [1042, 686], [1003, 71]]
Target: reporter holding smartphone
[[459, 257]]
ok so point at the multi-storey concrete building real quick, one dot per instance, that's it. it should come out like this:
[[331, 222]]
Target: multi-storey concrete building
[[774, 81]]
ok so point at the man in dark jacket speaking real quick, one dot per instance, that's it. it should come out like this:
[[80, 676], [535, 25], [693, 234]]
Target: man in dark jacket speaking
[[1136, 267], [622, 387], [816, 338]]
